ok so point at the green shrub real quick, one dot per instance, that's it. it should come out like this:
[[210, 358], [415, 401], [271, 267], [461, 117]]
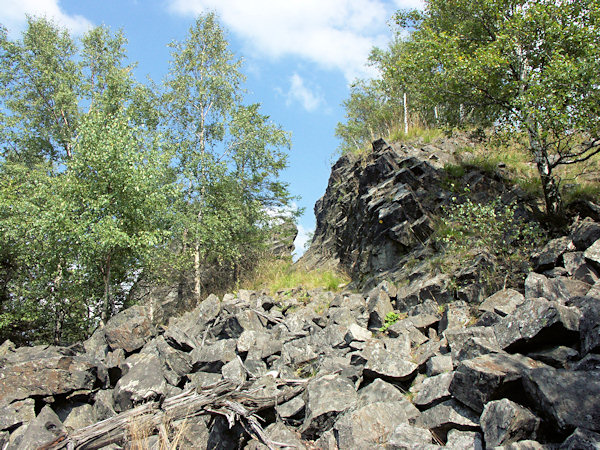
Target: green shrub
[[468, 227]]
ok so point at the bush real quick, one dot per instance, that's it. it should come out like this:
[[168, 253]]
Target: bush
[[496, 228]]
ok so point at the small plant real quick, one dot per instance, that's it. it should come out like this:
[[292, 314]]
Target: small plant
[[390, 319]]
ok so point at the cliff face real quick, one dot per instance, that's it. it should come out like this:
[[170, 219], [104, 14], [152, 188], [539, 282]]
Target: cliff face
[[379, 210]]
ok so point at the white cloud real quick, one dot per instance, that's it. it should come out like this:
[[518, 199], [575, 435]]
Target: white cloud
[[334, 34], [302, 94], [13, 15], [304, 234]]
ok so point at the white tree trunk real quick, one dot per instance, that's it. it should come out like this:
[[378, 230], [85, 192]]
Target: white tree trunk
[[405, 115]]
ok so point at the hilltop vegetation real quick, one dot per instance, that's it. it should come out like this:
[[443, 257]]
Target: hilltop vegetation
[[106, 181], [531, 68]]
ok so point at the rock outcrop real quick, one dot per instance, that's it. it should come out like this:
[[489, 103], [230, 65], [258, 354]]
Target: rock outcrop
[[438, 376], [378, 212]]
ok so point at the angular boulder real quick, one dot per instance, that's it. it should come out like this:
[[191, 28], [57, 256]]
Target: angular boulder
[[46, 371], [143, 382], [447, 416], [326, 398], [504, 422], [434, 390], [569, 399], [490, 377], [370, 425], [130, 329], [538, 322], [503, 302]]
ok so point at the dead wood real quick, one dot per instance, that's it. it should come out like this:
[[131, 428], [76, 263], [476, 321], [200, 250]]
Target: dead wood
[[235, 402]]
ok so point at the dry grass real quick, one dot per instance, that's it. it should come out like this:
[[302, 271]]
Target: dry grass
[[277, 275], [577, 181], [169, 438]]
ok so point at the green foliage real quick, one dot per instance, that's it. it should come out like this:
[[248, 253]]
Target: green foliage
[[390, 319], [532, 67], [468, 228], [227, 156], [105, 182]]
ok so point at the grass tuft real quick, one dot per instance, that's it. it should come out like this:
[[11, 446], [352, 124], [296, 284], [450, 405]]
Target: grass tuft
[[279, 275]]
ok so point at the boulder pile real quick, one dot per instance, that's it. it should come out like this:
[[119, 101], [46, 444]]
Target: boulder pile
[[314, 369]]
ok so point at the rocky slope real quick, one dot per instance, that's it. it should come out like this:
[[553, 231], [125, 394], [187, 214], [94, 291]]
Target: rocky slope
[[406, 363], [519, 370]]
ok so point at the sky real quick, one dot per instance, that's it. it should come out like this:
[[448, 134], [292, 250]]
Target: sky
[[300, 57]]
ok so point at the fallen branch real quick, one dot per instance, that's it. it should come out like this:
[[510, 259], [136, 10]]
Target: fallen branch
[[236, 402]]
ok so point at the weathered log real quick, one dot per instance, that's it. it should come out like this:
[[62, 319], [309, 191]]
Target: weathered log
[[236, 402]]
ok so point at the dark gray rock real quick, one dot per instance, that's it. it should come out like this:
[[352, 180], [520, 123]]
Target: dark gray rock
[[406, 328], [585, 233], [179, 339], [46, 371], [144, 382], [192, 325], [325, 398], [378, 307], [538, 322], [380, 391], [504, 422], [278, 432], [456, 315], [17, 413], [409, 437], [45, 428], [389, 365], [104, 405], [96, 346], [579, 269], [439, 364], [459, 440], [291, 408], [357, 333], [203, 379], [434, 390], [212, 357], [503, 302], [129, 329], [567, 398], [370, 425], [299, 351], [590, 363], [435, 289], [192, 432], [589, 325], [176, 363], [234, 371], [551, 255], [422, 354], [582, 439], [487, 319], [559, 357], [490, 377], [538, 286], [77, 415], [446, 416], [468, 343], [423, 322]]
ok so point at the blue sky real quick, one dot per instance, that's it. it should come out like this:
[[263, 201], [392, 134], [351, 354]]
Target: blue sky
[[299, 58]]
